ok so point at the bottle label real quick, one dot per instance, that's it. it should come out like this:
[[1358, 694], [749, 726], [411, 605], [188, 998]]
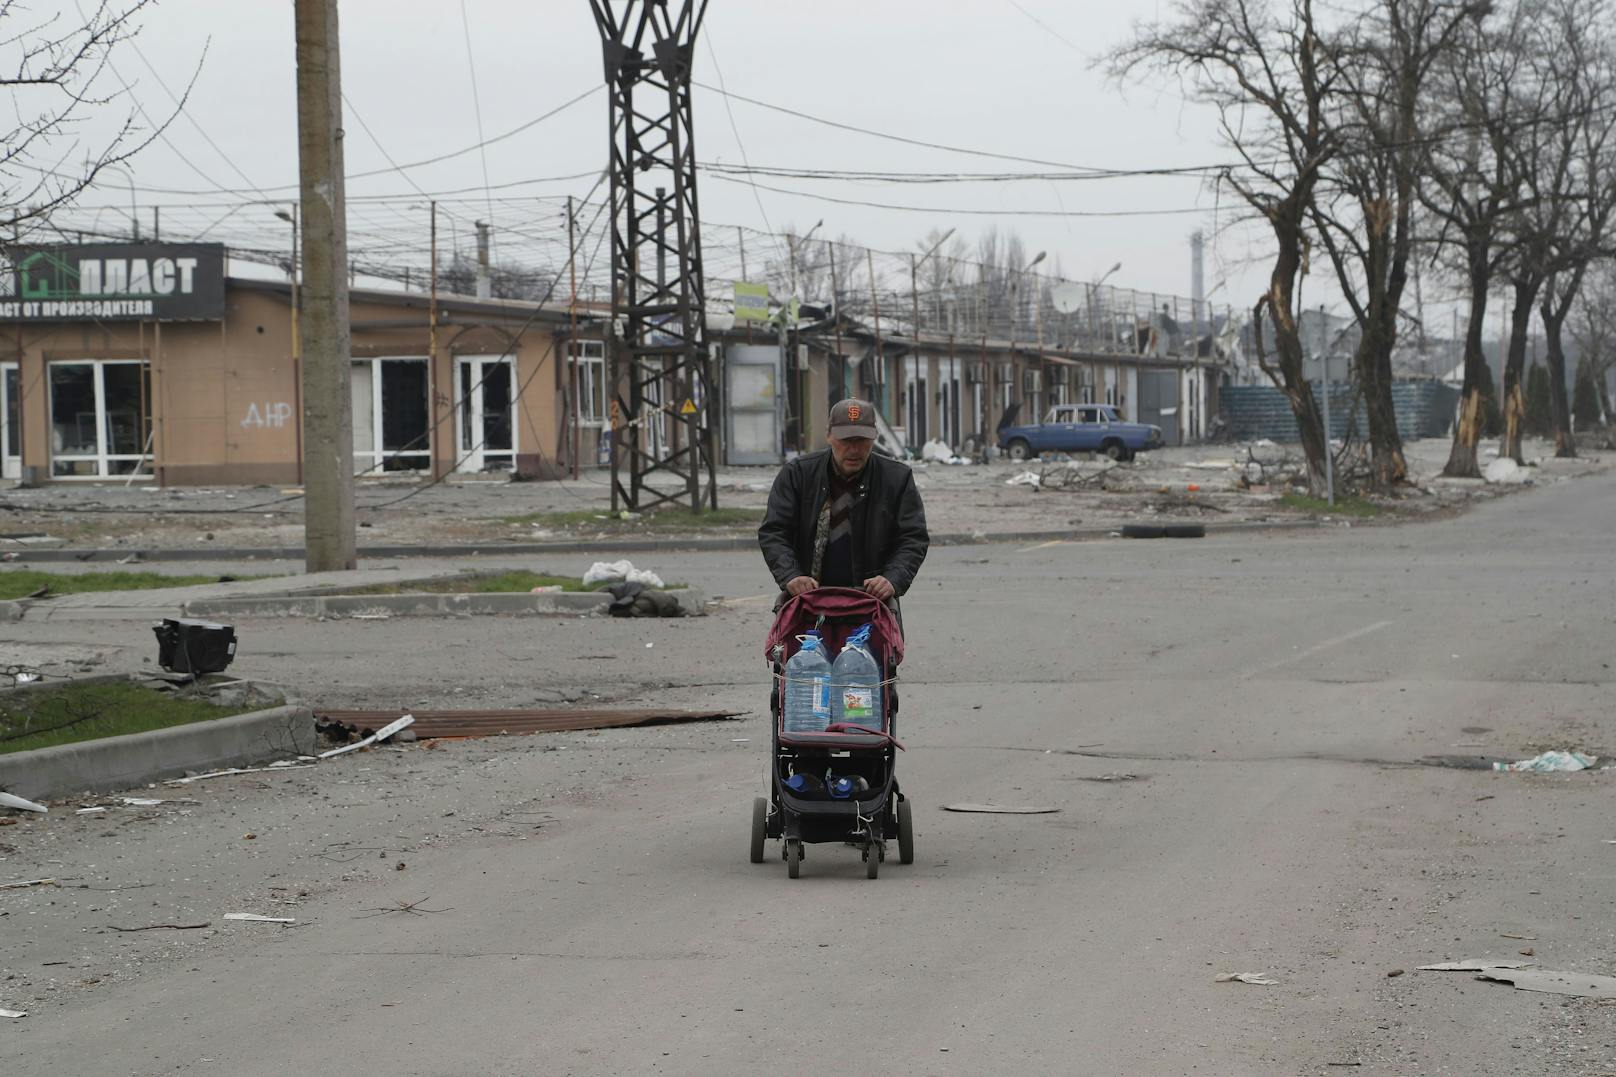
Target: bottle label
[[858, 704], [821, 697]]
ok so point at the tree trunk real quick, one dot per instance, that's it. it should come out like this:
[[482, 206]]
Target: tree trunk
[[1514, 395], [1472, 408], [1279, 300], [1565, 446], [1375, 376]]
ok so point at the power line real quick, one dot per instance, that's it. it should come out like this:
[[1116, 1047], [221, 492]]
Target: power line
[[476, 103], [708, 38], [1056, 34], [975, 212]]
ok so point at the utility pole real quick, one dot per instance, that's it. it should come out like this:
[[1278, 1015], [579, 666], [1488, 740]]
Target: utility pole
[[328, 520]]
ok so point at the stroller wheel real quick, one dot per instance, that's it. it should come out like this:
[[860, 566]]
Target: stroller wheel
[[793, 857], [760, 826], [906, 833], [872, 860]]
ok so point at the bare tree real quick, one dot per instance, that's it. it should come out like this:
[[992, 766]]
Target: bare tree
[[58, 74], [1473, 185], [1581, 183], [1259, 63], [1365, 212], [1593, 330]]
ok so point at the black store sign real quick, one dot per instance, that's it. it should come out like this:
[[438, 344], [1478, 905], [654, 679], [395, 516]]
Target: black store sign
[[105, 282]]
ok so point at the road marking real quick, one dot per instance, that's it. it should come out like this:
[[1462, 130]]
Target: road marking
[[1042, 546], [1326, 645]]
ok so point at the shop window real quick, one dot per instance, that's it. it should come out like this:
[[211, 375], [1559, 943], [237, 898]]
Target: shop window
[[100, 418], [589, 380], [391, 422]]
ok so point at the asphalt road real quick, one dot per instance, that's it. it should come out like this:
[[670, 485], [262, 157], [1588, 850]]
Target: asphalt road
[[1284, 705]]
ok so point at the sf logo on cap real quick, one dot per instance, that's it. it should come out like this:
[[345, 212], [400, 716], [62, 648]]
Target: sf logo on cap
[[853, 413]]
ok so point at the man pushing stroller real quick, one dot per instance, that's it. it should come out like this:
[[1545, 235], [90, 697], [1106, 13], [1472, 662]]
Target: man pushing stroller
[[844, 517]]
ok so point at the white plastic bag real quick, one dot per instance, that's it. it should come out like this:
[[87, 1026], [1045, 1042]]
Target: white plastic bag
[[612, 571]]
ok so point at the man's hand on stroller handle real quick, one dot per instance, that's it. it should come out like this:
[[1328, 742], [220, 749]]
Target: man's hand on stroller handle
[[877, 586]]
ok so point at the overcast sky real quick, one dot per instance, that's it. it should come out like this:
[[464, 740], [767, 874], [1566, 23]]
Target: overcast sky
[[1005, 76]]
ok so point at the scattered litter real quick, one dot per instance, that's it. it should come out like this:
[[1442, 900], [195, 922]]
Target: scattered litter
[[1550, 762], [1527, 951], [282, 765], [1392, 973], [1111, 778], [28, 882], [157, 927], [613, 571], [142, 802], [1512, 935], [1583, 985], [9, 801], [253, 917], [548, 589], [26, 677], [381, 734], [1474, 964], [1025, 478], [1000, 809], [13, 1013], [1505, 472], [1245, 978], [739, 740], [89, 811], [370, 616]]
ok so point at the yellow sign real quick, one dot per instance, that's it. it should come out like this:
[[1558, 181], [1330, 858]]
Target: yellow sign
[[617, 415], [688, 408]]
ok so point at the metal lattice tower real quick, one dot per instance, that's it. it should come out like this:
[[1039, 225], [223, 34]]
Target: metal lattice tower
[[662, 403]]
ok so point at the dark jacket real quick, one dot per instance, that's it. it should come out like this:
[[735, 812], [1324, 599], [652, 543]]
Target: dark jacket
[[889, 522]]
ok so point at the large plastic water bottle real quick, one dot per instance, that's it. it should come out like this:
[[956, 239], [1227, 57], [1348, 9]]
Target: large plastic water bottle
[[808, 675], [856, 684]]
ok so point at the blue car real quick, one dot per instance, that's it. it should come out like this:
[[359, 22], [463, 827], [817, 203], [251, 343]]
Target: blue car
[[1089, 428]]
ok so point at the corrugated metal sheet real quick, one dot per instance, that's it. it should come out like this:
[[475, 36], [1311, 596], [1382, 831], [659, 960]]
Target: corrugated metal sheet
[[1424, 410], [490, 723]]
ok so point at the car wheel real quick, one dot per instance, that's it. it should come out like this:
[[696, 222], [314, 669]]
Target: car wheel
[[1018, 449], [1116, 450]]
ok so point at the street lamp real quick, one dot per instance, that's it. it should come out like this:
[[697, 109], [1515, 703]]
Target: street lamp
[[134, 216], [914, 278], [791, 245]]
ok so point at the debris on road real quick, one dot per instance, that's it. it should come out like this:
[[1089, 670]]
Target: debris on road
[[91, 811], [1505, 472], [158, 927], [1129, 777], [252, 917], [284, 764], [1550, 762], [1513, 935], [9, 801], [615, 571], [1245, 978], [1473, 964], [27, 883], [489, 723], [1583, 985], [13, 1013], [1000, 809], [403, 722]]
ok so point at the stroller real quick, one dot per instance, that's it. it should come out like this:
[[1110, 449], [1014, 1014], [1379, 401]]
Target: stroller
[[869, 817]]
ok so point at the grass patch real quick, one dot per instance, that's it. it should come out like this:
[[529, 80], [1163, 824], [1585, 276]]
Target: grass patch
[[1344, 506], [483, 584], [664, 520], [21, 582], [80, 712]]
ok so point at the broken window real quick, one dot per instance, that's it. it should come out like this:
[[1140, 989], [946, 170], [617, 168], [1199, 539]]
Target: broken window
[[486, 396], [589, 380], [100, 417], [391, 423]]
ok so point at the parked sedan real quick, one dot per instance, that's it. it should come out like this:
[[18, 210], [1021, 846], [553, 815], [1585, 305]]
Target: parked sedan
[[1095, 428]]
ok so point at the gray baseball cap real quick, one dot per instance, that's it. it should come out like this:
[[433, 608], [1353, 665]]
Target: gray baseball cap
[[852, 419]]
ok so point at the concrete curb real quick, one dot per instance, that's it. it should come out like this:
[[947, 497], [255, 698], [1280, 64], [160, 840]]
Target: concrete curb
[[141, 758], [605, 546], [12, 611], [558, 604]]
